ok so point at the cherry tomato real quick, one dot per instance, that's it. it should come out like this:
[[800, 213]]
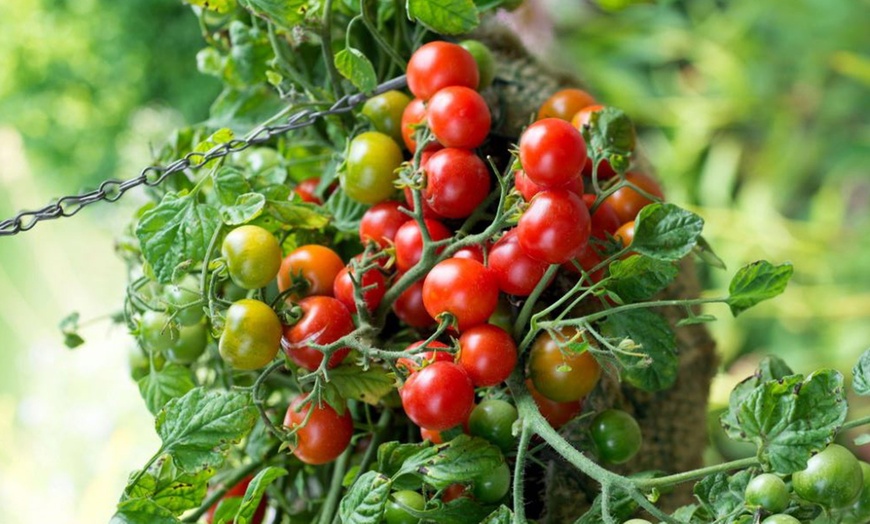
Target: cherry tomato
[[385, 112], [457, 182], [584, 115], [415, 114], [563, 376], [189, 345], [458, 117], [588, 259], [767, 491], [156, 332], [238, 491], [552, 152], [410, 309], [555, 227], [484, 59], [324, 320], [307, 190], [605, 221], [557, 414], [317, 264], [625, 233], [372, 279], [251, 336], [186, 300], [637, 521], [381, 222], [780, 518], [464, 288], [438, 396], [431, 435], [627, 202], [253, 256], [493, 420], [832, 478], [493, 486], [616, 435], [860, 510], [437, 65], [564, 104], [395, 512], [453, 492], [474, 252], [529, 189], [372, 160], [517, 273], [487, 353], [409, 241], [324, 437]]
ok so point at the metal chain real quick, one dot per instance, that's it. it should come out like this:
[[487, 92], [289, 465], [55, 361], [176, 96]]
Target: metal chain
[[111, 190]]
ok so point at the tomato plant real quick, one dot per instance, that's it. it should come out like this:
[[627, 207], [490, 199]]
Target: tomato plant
[[561, 368]]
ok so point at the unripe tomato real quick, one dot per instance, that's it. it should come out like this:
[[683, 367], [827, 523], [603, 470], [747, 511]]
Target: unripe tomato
[[780, 518], [183, 294], [437, 65], [555, 227], [438, 397], [565, 103], [324, 320], [385, 112], [552, 152], [189, 345], [493, 486], [372, 160], [156, 332], [767, 491], [493, 420], [616, 435], [458, 117], [395, 512], [562, 375], [484, 59], [832, 478], [324, 437], [627, 202], [253, 256], [487, 353], [317, 264], [860, 510], [463, 288], [252, 335]]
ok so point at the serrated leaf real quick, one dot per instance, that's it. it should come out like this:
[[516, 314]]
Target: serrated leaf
[[666, 232], [638, 277], [198, 428], [721, 494], [770, 368], [159, 387], [346, 212], [459, 460], [218, 6], [393, 455], [502, 515], [757, 282], [448, 17], [610, 132], [368, 385], [283, 13], [353, 65], [366, 500], [297, 215], [254, 494], [691, 514], [791, 418], [178, 230], [653, 364], [169, 488], [246, 208], [142, 511], [229, 185], [861, 374]]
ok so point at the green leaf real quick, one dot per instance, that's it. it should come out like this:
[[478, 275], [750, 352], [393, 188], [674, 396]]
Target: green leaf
[[861, 375], [178, 230], [651, 362], [198, 428], [368, 385], [229, 185], [246, 208], [393, 455], [255, 492], [225, 511], [458, 511], [142, 511], [459, 460], [757, 282], [691, 514], [218, 6], [366, 500], [666, 231], [69, 326], [297, 215], [638, 277], [721, 494], [170, 488], [283, 13], [862, 439], [502, 515], [346, 212], [610, 132], [159, 387], [353, 65], [448, 17], [770, 368], [791, 418]]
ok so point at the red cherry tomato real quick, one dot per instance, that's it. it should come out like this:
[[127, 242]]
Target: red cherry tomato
[[516, 272], [556, 413], [588, 259], [552, 152], [488, 354], [555, 227], [458, 117], [238, 491], [307, 190], [565, 103], [372, 279], [414, 114], [457, 182], [324, 320], [529, 189], [464, 288], [625, 233], [324, 437], [474, 252], [381, 222], [582, 116], [409, 241], [627, 202], [438, 397], [605, 221], [437, 65], [410, 309], [317, 264], [428, 212]]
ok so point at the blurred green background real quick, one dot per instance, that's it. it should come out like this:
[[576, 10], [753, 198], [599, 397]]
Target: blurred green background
[[754, 114]]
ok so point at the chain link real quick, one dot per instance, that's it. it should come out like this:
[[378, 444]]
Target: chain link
[[112, 190]]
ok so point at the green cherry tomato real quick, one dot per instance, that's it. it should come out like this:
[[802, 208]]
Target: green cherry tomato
[[253, 256], [860, 510], [252, 335], [767, 491], [780, 518], [493, 420], [372, 160], [485, 61], [140, 363], [385, 111], [156, 332], [616, 435], [183, 298], [637, 521], [832, 478], [493, 486], [189, 345], [395, 512]]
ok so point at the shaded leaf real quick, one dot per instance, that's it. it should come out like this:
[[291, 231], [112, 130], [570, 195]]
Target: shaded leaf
[[353, 65], [366, 500], [648, 356], [638, 277], [255, 491], [721, 494], [368, 385], [283, 13], [160, 386]]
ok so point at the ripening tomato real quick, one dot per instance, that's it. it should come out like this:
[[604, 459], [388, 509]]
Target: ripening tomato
[[373, 283], [409, 241], [381, 222], [463, 288], [253, 256], [371, 164], [627, 202], [324, 436], [437, 65], [457, 182], [458, 117], [317, 265], [565, 103], [584, 115], [488, 354], [625, 233], [557, 414], [561, 369], [324, 320], [385, 112], [529, 189], [410, 309], [307, 190], [555, 227], [516, 272], [251, 336], [438, 397], [552, 152], [431, 435]]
